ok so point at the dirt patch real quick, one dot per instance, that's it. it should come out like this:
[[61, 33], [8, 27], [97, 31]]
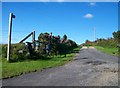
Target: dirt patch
[[105, 79], [92, 47], [84, 47], [81, 58], [95, 62], [110, 70], [84, 58]]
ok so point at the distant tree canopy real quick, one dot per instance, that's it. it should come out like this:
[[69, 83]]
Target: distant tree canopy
[[88, 43]]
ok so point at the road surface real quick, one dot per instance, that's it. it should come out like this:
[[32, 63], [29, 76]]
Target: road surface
[[90, 67]]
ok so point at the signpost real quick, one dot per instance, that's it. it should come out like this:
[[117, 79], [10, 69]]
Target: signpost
[[9, 35]]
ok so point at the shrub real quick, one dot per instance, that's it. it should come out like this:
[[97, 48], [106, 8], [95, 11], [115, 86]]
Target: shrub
[[70, 44], [18, 52], [58, 46], [4, 50]]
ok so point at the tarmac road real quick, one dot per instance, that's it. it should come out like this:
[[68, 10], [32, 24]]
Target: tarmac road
[[90, 67]]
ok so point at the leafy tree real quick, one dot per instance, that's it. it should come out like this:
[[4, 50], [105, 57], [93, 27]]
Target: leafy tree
[[43, 37], [70, 44], [58, 46], [116, 35], [65, 37], [86, 41]]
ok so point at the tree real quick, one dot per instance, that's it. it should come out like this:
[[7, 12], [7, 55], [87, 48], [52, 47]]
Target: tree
[[43, 37], [71, 44], [86, 41], [54, 44], [116, 35], [65, 37]]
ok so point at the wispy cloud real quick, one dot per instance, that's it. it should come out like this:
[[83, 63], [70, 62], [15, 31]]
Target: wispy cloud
[[92, 4], [88, 16]]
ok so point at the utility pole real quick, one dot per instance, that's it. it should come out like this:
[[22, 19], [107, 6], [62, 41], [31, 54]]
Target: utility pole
[[94, 34], [9, 35]]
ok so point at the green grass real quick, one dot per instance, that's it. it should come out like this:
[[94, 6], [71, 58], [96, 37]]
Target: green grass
[[0, 68], [111, 51], [18, 68]]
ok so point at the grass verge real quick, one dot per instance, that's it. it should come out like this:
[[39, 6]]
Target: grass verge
[[110, 51], [10, 70]]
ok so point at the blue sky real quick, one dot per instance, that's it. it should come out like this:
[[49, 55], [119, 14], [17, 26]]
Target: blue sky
[[75, 19]]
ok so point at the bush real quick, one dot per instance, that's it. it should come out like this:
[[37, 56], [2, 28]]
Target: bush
[[4, 50], [58, 46], [71, 44], [18, 52]]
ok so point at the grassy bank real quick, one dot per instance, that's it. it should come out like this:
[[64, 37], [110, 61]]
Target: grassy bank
[[18, 68], [111, 51]]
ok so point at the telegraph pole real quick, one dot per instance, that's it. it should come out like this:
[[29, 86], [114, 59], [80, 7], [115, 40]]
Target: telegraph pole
[[9, 35], [94, 34]]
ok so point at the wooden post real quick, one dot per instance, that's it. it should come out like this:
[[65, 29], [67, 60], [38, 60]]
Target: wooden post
[[9, 35], [94, 34], [26, 37], [33, 39]]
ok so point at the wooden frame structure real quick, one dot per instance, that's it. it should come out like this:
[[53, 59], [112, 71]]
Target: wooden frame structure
[[33, 38]]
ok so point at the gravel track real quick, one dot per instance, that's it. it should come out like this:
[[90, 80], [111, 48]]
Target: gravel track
[[90, 67]]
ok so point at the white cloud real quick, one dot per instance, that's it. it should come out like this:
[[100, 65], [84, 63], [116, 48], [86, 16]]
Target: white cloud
[[92, 3], [88, 16]]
